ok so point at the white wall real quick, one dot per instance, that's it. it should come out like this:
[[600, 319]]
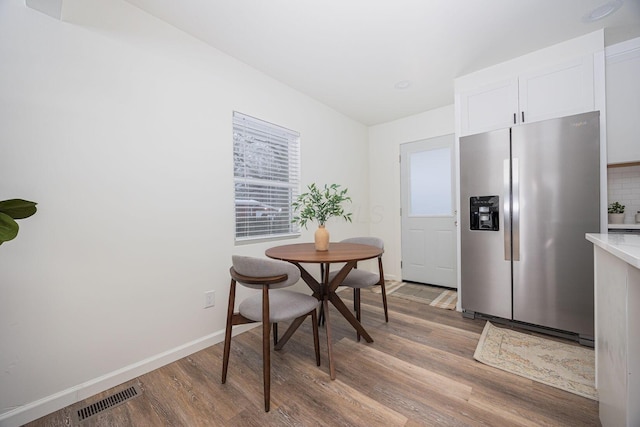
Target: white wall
[[119, 126], [384, 187]]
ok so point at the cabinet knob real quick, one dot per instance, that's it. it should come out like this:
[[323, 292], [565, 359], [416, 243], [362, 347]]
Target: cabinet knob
[[523, 117], [514, 118]]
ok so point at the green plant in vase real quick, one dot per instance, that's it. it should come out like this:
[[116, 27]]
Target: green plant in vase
[[616, 213], [615, 208], [320, 204]]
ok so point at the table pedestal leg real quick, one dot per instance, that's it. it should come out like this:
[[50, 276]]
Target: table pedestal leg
[[325, 292], [344, 310], [332, 366], [290, 330]]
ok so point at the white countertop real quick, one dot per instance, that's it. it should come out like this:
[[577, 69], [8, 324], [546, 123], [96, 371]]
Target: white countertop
[[624, 246]]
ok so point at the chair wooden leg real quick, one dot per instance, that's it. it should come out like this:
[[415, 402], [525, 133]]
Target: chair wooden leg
[[275, 334], [266, 347], [316, 337], [227, 333], [384, 302], [384, 290], [356, 301]]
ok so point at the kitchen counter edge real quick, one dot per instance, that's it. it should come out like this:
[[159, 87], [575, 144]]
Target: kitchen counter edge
[[624, 246]]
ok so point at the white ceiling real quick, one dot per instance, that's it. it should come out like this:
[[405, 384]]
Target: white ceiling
[[349, 54]]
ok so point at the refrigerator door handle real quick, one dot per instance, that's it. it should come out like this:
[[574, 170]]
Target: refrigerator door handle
[[506, 203], [515, 207]]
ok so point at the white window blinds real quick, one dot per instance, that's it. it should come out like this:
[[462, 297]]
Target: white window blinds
[[266, 176]]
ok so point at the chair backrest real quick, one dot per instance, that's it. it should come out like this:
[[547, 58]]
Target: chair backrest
[[371, 241], [262, 267]]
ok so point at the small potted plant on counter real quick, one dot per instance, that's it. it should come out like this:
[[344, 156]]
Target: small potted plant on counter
[[616, 213]]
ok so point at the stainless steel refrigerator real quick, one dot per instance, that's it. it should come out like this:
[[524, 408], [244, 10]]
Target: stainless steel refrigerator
[[528, 196]]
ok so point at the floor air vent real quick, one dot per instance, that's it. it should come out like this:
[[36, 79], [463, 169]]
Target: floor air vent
[[108, 403]]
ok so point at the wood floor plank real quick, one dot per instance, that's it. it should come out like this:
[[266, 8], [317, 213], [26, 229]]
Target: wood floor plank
[[341, 403], [357, 354], [419, 371], [425, 395]]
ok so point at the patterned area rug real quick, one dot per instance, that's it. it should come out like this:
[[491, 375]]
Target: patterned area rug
[[567, 367], [433, 295]]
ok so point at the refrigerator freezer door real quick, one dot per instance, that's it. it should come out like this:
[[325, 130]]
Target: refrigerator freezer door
[[485, 276], [559, 191]]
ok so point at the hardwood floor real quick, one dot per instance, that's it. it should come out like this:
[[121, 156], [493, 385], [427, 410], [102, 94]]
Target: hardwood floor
[[419, 371]]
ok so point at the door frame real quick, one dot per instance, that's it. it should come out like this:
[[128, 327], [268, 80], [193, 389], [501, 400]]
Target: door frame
[[448, 140]]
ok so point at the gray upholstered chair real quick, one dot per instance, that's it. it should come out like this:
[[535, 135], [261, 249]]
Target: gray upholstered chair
[[271, 306], [358, 279]]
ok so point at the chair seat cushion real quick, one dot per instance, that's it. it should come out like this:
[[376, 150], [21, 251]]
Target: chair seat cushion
[[358, 279], [283, 306]]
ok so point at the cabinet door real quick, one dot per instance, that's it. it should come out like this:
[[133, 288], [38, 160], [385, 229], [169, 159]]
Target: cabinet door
[[558, 91], [623, 106], [488, 108]]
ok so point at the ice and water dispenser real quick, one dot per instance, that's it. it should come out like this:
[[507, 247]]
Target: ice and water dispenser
[[484, 211]]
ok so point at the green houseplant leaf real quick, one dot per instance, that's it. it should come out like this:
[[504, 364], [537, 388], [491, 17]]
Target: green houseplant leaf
[[8, 228], [18, 208], [320, 204], [615, 208], [10, 210]]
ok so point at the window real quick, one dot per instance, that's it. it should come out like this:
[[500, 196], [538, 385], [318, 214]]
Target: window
[[266, 178], [431, 191]]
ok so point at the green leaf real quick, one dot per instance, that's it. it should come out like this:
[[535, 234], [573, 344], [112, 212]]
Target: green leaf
[[8, 228], [320, 204], [18, 208]]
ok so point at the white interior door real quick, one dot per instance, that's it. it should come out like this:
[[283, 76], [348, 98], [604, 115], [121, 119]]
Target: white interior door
[[429, 211]]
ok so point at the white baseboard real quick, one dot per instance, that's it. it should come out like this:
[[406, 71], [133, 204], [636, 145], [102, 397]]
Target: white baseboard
[[39, 408]]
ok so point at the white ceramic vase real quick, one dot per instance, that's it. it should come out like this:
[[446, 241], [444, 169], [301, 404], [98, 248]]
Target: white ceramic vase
[[616, 218]]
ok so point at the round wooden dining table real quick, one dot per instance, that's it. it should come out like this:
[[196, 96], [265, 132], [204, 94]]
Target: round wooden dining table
[[325, 290]]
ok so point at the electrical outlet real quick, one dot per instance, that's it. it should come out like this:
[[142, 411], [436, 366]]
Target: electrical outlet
[[209, 299]]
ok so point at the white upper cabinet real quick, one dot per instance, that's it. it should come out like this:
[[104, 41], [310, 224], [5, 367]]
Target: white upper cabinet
[[489, 107], [623, 102], [559, 90]]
